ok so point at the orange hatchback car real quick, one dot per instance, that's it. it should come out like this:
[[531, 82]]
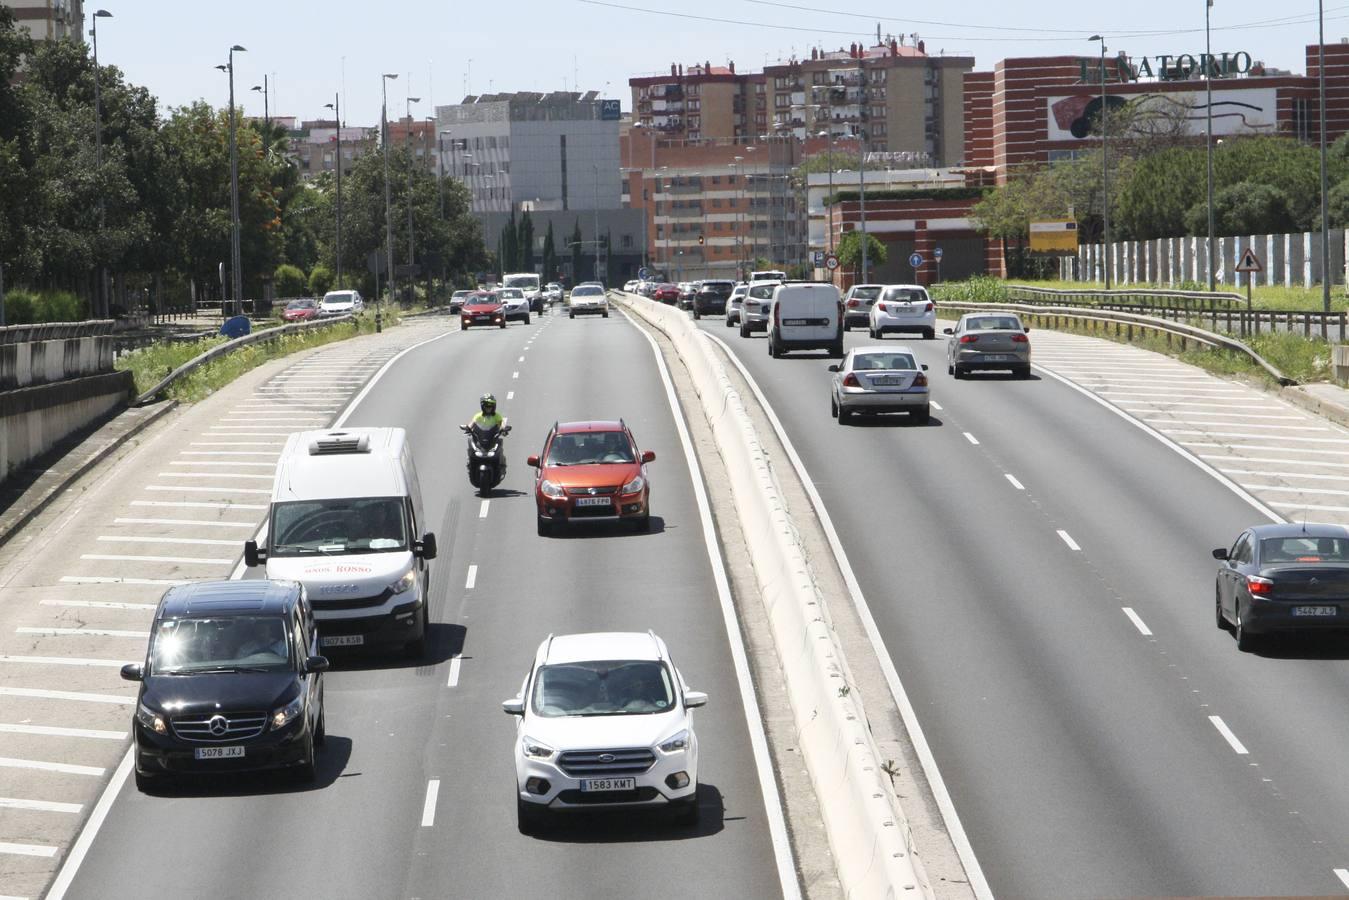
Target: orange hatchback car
[[592, 471]]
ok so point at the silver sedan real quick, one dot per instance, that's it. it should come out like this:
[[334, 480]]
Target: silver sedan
[[991, 340], [879, 380]]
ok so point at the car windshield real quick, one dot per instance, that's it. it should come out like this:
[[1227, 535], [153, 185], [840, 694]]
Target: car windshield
[[866, 293], [762, 291], [300, 304], [462, 293], [343, 297], [522, 281], [1304, 549], [603, 688], [337, 527], [590, 448], [992, 323], [586, 290], [882, 361], [906, 295], [220, 644]]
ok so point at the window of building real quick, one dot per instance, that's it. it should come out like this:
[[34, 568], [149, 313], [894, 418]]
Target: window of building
[[626, 242], [716, 204]]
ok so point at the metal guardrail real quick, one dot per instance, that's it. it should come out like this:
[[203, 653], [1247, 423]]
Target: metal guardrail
[[54, 331], [257, 337], [1124, 325], [1224, 311]]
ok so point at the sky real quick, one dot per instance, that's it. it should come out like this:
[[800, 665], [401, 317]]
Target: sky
[[444, 49]]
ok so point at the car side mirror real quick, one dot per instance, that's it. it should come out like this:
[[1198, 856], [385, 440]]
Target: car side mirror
[[648, 456], [924, 367], [833, 368], [426, 547], [694, 699], [948, 331], [514, 707], [133, 672], [1027, 329], [1220, 553], [317, 664], [532, 461], [253, 554]]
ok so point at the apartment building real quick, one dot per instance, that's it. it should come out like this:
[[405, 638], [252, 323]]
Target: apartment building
[[315, 147], [700, 102], [50, 20]]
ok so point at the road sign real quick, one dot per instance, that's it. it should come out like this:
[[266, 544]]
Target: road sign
[[377, 263], [916, 260], [410, 270], [818, 258], [1250, 262], [831, 261], [643, 272], [936, 254], [1056, 237]]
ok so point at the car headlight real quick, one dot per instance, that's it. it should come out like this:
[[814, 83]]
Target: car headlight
[[677, 743], [405, 583], [535, 749], [634, 486], [552, 490], [151, 719], [286, 714]]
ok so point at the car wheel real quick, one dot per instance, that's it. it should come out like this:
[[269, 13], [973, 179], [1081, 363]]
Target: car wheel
[[1246, 642], [696, 314], [526, 318], [545, 527], [530, 818], [921, 416], [686, 811], [950, 369], [958, 372], [833, 408], [844, 415], [307, 770], [503, 324], [1223, 624], [729, 322], [571, 315], [148, 784], [744, 330], [929, 334], [321, 731], [417, 649], [605, 314], [642, 524], [836, 351]]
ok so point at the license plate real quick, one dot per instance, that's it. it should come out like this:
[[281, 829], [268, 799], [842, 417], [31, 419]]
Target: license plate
[[609, 784], [343, 640], [218, 752], [592, 501], [482, 318], [805, 321], [1315, 611], [996, 357], [885, 380]]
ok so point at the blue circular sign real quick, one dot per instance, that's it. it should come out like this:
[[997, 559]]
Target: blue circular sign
[[936, 254], [643, 272], [916, 260]]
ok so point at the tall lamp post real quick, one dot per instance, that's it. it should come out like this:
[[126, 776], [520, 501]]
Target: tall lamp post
[[265, 91], [388, 205], [1105, 173], [411, 160], [739, 218], [440, 168], [100, 300], [1208, 136], [236, 285], [862, 165], [1321, 100], [336, 107], [596, 185]]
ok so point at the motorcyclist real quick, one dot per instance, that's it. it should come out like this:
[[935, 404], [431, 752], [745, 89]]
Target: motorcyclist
[[486, 422]]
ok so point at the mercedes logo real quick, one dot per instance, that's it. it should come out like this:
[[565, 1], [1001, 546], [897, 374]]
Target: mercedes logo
[[218, 725], [606, 757]]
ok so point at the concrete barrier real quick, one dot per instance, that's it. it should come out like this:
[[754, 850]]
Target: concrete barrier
[[35, 419], [868, 834]]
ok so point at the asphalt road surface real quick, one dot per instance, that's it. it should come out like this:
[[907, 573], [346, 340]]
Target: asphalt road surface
[[1039, 571], [372, 825]]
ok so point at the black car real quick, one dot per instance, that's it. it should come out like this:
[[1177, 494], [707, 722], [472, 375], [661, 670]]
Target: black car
[[1287, 577], [711, 298], [232, 682]]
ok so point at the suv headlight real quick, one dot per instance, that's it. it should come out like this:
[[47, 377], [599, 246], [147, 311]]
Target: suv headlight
[[677, 743], [634, 486], [535, 749], [286, 714], [552, 490], [405, 583], [151, 719]]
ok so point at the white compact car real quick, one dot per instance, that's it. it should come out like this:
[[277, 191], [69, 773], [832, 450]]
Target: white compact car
[[587, 299], [604, 721], [735, 304], [341, 303], [880, 380], [903, 307], [514, 304]]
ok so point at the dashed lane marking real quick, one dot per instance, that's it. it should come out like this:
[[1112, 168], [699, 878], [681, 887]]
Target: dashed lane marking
[[185, 560], [53, 731], [1228, 736], [27, 849], [39, 805], [1138, 622], [472, 578], [196, 504], [82, 632], [214, 489], [192, 522], [1012, 478], [75, 696], [453, 680], [510, 395], [191, 542], [482, 510], [111, 579], [96, 604], [44, 766], [1068, 539], [429, 806], [971, 438]]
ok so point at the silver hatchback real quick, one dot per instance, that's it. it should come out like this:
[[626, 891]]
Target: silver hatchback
[[988, 341], [879, 380], [757, 307]]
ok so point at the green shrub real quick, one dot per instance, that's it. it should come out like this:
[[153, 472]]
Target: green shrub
[[320, 280], [978, 289], [289, 281], [33, 307]]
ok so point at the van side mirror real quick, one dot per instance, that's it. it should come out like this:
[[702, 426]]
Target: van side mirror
[[514, 707], [648, 456], [133, 672], [834, 367], [317, 664], [426, 547], [532, 461], [253, 554], [1220, 553], [694, 699]]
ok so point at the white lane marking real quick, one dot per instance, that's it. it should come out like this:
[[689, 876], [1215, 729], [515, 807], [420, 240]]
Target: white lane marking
[[472, 578], [196, 504], [105, 579], [935, 405], [96, 604], [1225, 407], [213, 489], [1228, 736], [1068, 539], [510, 395], [515, 374], [64, 661], [27, 849], [521, 359], [227, 475], [187, 560], [1245, 418], [971, 438], [42, 765], [81, 632], [1343, 876], [1242, 424], [191, 542], [482, 510], [1138, 622], [75, 855], [453, 680], [39, 805], [1262, 448], [265, 453], [964, 849], [1242, 434], [77, 696], [232, 463], [763, 764], [53, 731], [1012, 478], [1232, 458], [1278, 489], [429, 805], [1316, 475], [1297, 506], [195, 523]]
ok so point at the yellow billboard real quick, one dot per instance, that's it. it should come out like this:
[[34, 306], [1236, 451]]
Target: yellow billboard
[[1057, 236]]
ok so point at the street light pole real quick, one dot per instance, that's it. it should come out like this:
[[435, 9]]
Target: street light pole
[[336, 107], [596, 167], [1325, 209], [862, 165], [237, 291], [388, 205], [266, 101], [1208, 137], [440, 169], [100, 300], [411, 159], [1105, 173]]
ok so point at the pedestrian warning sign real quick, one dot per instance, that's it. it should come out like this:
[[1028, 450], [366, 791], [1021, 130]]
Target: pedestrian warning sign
[[1249, 262]]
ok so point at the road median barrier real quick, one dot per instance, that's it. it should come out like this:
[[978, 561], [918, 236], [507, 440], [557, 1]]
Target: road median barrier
[[868, 833]]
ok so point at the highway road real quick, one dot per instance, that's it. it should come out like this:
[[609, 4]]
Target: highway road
[[374, 825], [1039, 571]]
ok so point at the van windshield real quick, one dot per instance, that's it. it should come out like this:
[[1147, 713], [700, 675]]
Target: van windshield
[[336, 527], [530, 282], [220, 644]]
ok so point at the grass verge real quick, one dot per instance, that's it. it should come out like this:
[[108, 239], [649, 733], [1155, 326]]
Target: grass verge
[[1262, 296]]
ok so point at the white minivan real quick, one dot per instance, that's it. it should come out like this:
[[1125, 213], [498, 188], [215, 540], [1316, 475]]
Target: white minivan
[[806, 316], [346, 521]]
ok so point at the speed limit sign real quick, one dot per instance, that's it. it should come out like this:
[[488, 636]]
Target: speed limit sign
[[831, 261]]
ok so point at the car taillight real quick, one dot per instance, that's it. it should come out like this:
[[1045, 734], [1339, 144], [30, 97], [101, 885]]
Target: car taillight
[[1019, 339], [1259, 585], [882, 307], [927, 308], [777, 314], [920, 380], [969, 338], [850, 380], [852, 304]]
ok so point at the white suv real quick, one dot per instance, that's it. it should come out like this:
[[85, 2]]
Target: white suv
[[604, 722]]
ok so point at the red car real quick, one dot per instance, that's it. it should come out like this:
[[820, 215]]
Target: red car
[[592, 471], [482, 308], [666, 293], [301, 310]]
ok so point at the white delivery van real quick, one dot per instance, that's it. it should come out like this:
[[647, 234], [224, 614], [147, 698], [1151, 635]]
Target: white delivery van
[[529, 283], [767, 275], [807, 315], [346, 521]]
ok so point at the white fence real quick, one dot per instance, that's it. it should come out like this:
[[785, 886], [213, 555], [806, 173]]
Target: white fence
[[1289, 260]]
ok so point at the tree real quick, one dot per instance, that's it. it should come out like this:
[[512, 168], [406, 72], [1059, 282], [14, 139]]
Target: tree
[[576, 253], [320, 280], [549, 254], [1243, 209], [289, 281], [525, 243], [849, 250]]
